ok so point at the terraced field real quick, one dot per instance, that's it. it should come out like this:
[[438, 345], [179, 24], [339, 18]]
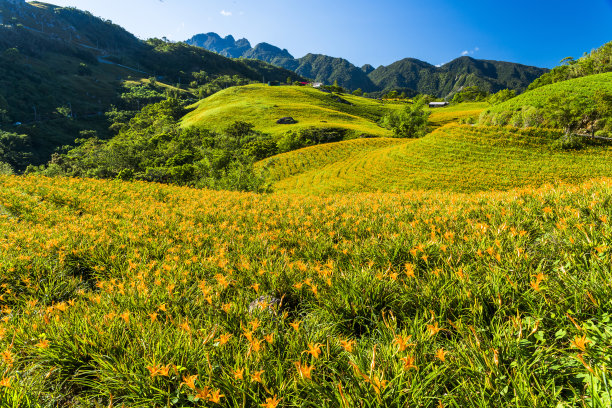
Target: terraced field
[[459, 158], [316, 157], [263, 105], [453, 113]]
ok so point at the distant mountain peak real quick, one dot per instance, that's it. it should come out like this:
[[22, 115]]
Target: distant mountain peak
[[405, 74]]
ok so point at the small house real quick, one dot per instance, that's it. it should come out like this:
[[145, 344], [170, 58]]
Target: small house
[[438, 104], [317, 85]]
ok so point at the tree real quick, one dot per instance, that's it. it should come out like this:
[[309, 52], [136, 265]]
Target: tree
[[470, 94], [239, 130], [411, 122], [64, 111], [289, 80], [502, 96], [565, 111], [358, 92]]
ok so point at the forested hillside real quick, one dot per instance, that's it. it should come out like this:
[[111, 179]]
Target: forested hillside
[[62, 70], [408, 74]]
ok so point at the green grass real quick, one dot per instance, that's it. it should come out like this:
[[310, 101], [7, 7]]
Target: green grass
[[459, 158], [263, 105], [118, 294]]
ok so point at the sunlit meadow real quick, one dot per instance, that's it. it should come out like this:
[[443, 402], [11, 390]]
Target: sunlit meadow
[[141, 295]]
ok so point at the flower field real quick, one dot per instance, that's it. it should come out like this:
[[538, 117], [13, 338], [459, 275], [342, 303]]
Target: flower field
[[460, 158], [140, 295]]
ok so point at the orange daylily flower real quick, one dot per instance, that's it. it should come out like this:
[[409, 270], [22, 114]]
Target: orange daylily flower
[[580, 342], [189, 381], [304, 370], [271, 402], [314, 350]]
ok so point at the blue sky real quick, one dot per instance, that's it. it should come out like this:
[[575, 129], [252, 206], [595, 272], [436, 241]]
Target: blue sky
[[379, 32]]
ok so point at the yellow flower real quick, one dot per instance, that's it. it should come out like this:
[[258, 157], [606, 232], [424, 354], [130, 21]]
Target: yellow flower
[[433, 329], [43, 344], [5, 382], [347, 345], [295, 325], [304, 370], [580, 342], [441, 355], [314, 350], [203, 394], [403, 342], [224, 338], [190, 381], [409, 363], [256, 376], [215, 396], [271, 402], [239, 374]]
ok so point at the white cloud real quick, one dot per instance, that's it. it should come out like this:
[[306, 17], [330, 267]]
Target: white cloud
[[470, 52], [226, 13]]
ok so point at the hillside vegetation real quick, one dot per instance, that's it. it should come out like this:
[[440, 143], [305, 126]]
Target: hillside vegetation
[[61, 69], [145, 295], [455, 157], [263, 106], [410, 75], [583, 103], [596, 62]]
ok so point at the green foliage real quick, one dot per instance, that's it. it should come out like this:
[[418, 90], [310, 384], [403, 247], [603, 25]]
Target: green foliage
[[15, 149], [596, 62], [136, 96], [358, 92], [411, 122], [501, 96], [576, 105], [309, 137], [152, 147], [470, 94], [6, 169]]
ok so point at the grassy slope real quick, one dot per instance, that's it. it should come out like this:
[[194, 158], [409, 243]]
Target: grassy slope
[[263, 106], [454, 157], [315, 157], [453, 113], [583, 88], [116, 293]]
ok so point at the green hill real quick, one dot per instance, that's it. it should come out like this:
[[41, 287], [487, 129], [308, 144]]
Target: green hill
[[538, 107], [448, 79], [263, 105], [454, 158], [54, 57], [596, 62]]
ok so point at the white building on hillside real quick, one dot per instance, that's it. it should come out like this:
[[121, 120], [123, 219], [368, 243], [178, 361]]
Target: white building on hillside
[[438, 104]]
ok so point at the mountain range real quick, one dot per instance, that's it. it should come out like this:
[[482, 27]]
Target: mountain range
[[407, 74]]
